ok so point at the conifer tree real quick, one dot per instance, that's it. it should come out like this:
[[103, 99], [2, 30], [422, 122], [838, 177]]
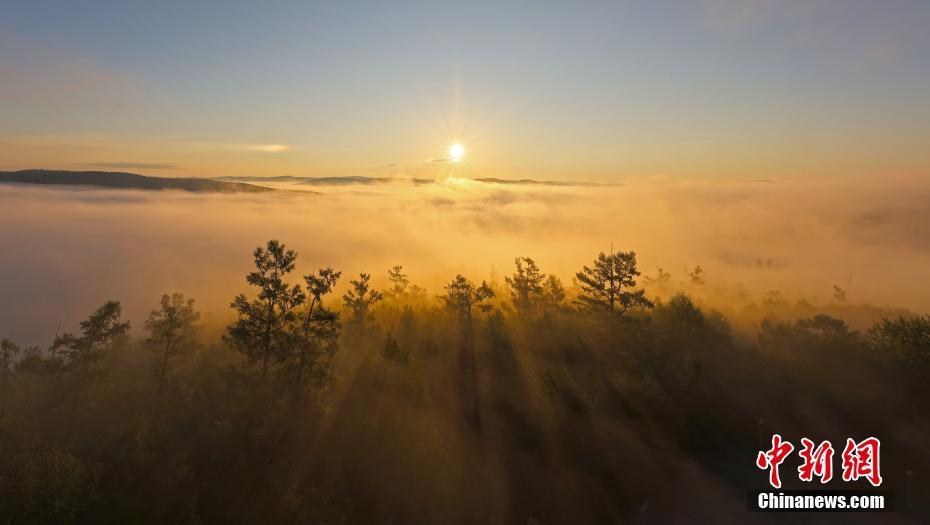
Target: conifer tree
[[462, 296], [526, 286], [8, 352], [608, 285], [360, 298], [97, 333], [264, 325], [401, 287], [172, 333], [319, 331], [553, 294]]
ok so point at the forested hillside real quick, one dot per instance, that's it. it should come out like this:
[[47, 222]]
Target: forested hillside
[[534, 401]]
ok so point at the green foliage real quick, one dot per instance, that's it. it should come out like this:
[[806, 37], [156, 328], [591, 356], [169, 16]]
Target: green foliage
[[820, 334], [553, 294], [360, 298], [526, 286], [462, 296], [9, 351], [608, 285], [533, 292], [578, 421], [685, 337], [172, 333], [697, 276], [265, 324], [98, 332], [558, 386], [393, 352], [905, 340], [401, 288], [46, 485], [318, 339], [682, 320]]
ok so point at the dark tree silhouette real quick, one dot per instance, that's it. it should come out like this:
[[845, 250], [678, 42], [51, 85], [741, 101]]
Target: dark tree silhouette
[[97, 332], [8, 354], [820, 334], [697, 275], [172, 333], [662, 277], [360, 298], [905, 340], [401, 287], [319, 333], [526, 286], [553, 294], [392, 351], [264, 326], [608, 285], [399, 281], [462, 296], [434, 406]]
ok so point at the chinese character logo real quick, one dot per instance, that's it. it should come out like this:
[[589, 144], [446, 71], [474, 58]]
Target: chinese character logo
[[774, 457], [817, 462], [860, 460]]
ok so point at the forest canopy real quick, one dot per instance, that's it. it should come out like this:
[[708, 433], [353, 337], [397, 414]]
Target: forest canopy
[[530, 401]]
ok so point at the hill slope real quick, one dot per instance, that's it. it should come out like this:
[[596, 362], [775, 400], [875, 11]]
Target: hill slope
[[116, 179]]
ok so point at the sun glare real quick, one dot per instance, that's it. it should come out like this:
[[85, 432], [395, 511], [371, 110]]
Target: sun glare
[[456, 152]]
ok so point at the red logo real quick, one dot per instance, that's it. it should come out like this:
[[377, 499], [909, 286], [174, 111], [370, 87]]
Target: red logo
[[774, 457], [860, 460], [817, 462]]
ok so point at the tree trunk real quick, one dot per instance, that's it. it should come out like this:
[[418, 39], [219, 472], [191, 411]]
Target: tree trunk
[[164, 364]]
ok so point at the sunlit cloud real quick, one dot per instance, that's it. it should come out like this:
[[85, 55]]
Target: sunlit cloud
[[265, 148], [243, 147]]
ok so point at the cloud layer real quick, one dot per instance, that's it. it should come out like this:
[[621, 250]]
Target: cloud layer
[[65, 251]]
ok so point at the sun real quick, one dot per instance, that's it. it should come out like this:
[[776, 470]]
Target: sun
[[456, 152]]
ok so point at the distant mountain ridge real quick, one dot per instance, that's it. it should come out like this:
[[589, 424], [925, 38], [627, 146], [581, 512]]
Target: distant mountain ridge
[[123, 180], [323, 181]]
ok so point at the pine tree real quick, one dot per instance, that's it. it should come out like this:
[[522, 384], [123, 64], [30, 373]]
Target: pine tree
[[401, 287], [399, 281], [608, 285], [97, 333], [462, 296], [553, 294], [8, 352], [360, 298], [172, 333], [319, 332], [526, 286], [697, 275], [264, 326]]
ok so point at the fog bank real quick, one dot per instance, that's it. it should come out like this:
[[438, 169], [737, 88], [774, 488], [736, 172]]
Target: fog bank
[[64, 251]]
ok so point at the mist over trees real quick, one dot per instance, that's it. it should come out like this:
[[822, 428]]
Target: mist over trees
[[361, 297], [172, 333], [530, 402], [463, 297]]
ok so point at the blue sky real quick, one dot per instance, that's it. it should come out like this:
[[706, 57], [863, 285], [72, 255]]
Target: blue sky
[[596, 90]]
